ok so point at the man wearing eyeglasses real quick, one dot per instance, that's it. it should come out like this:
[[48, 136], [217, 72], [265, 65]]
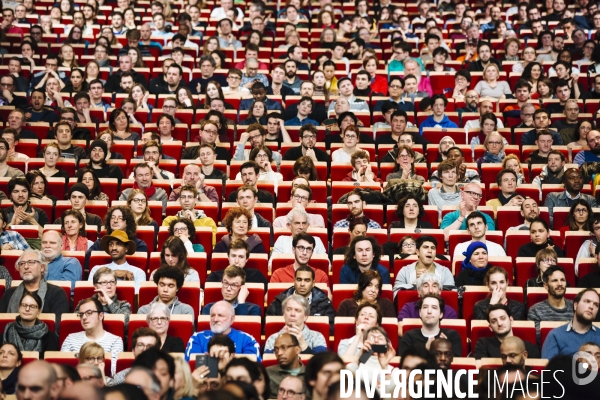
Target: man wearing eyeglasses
[[308, 140], [470, 196], [59, 268], [251, 75], [300, 198], [302, 247], [92, 317], [235, 292], [257, 135], [209, 132], [8, 84], [287, 377], [142, 339]]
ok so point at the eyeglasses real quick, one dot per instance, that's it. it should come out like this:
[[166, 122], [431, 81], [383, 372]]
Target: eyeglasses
[[471, 97], [94, 359], [288, 393], [31, 307], [143, 346], [30, 263], [550, 261], [6, 84], [303, 249], [310, 137], [395, 87], [210, 132], [233, 286], [409, 245], [580, 210], [117, 219], [495, 143], [473, 194], [350, 137], [107, 283], [138, 201], [180, 229], [162, 320], [87, 313], [300, 198]]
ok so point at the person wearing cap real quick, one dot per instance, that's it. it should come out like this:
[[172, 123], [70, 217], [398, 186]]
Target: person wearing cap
[[119, 246], [5, 170], [142, 174], [98, 153], [78, 195]]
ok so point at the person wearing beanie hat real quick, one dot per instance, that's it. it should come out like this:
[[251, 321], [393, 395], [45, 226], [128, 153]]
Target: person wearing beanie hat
[[98, 153], [474, 266], [78, 195]]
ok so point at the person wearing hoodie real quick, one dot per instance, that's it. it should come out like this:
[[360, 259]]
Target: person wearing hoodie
[[304, 285], [475, 265], [235, 292], [169, 281], [447, 193], [238, 221], [438, 119], [426, 249]]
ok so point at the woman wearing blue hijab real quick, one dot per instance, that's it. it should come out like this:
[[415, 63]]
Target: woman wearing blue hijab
[[475, 265]]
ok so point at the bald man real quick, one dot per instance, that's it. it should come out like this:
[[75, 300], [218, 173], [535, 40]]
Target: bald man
[[471, 102], [37, 380], [470, 196], [441, 350], [513, 352]]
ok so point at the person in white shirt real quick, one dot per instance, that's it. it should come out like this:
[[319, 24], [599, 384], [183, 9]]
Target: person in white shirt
[[118, 246], [297, 221], [218, 13], [91, 316], [350, 136], [477, 228], [301, 196]]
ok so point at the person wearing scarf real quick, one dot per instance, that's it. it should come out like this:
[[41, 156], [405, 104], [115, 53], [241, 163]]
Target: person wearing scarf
[[474, 266], [494, 151], [143, 181], [28, 333]]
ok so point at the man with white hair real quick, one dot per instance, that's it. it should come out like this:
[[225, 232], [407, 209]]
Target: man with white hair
[[296, 310], [222, 315], [32, 267], [59, 268], [428, 283], [297, 222]]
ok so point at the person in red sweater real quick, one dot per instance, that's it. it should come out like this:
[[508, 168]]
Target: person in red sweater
[[303, 246]]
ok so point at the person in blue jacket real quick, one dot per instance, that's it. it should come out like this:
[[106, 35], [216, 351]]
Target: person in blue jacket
[[438, 119], [222, 316], [364, 253]]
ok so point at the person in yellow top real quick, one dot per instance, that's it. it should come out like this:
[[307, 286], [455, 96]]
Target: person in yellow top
[[507, 183], [187, 200]]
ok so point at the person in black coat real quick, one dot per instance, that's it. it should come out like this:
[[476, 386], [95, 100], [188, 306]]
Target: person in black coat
[[158, 319], [410, 213], [308, 139], [540, 239], [496, 279]]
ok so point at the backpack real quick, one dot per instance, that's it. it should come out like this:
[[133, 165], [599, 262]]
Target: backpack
[[370, 196], [398, 188]]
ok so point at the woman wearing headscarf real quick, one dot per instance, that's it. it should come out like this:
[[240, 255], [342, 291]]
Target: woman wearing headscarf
[[474, 266]]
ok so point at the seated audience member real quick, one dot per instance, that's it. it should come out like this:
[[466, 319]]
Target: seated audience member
[[543, 142], [235, 292], [513, 163], [567, 128], [361, 169], [488, 123], [21, 213], [363, 254], [27, 332], [105, 284], [92, 318], [13, 358], [169, 281], [529, 212], [556, 307], [438, 119], [39, 185], [184, 229], [573, 182], [91, 364], [174, 255], [356, 203], [12, 137], [405, 139], [358, 227], [59, 268], [426, 248], [494, 150], [441, 351], [256, 134], [295, 312], [249, 172], [78, 195], [366, 316], [308, 140], [206, 158], [370, 284], [579, 217], [500, 319], [541, 120], [431, 308], [188, 196], [477, 228], [588, 156], [246, 197], [297, 222], [32, 269], [446, 192], [588, 248], [496, 279], [302, 247], [300, 198], [539, 233], [152, 153], [398, 124], [465, 175], [404, 167], [470, 197], [98, 153], [9, 239], [238, 253], [237, 221], [508, 196], [74, 234], [119, 246], [287, 351], [553, 171], [89, 178], [137, 201], [158, 319], [222, 316], [304, 285], [410, 213], [142, 339], [427, 283], [263, 156], [593, 277], [474, 266], [377, 361], [193, 176], [568, 338], [351, 138], [143, 180]]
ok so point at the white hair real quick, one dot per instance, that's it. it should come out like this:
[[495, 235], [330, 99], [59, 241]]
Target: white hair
[[428, 277], [294, 213], [40, 258]]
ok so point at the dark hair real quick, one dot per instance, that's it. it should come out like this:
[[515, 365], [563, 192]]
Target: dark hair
[[570, 222], [439, 97], [374, 306], [250, 164], [494, 307], [365, 280], [504, 172], [474, 215], [130, 224], [425, 238], [435, 296], [349, 259], [307, 238], [402, 203], [144, 331], [170, 273], [220, 339], [19, 353], [34, 296], [176, 246], [78, 216], [305, 165], [316, 364], [127, 390], [151, 356], [113, 116], [551, 269], [17, 181], [579, 295], [526, 75], [304, 268], [540, 221], [94, 300], [464, 73], [246, 363], [31, 177], [97, 189]]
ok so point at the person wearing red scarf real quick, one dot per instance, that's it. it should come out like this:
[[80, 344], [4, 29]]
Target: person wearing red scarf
[[142, 174]]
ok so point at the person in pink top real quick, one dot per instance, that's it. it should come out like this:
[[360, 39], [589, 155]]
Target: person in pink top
[[303, 246]]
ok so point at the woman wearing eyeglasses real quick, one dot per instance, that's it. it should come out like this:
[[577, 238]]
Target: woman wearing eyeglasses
[[92, 353], [105, 284], [138, 202], [579, 218], [184, 229], [10, 365], [28, 333], [543, 260], [405, 165], [494, 150], [351, 138], [158, 320]]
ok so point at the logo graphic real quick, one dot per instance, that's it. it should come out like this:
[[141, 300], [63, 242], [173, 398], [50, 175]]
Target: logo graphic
[[583, 364]]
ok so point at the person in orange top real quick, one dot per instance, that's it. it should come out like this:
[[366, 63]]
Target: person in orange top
[[303, 246], [471, 51]]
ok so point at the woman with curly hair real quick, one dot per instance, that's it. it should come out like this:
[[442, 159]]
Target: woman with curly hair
[[533, 72], [238, 221], [410, 213], [174, 255], [88, 177], [184, 229], [513, 163]]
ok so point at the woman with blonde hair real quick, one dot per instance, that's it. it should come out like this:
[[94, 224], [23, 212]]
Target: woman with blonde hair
[[67, 57], [292, 38], [513, 163], [183, 384], [490, 85], [92, 353]]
